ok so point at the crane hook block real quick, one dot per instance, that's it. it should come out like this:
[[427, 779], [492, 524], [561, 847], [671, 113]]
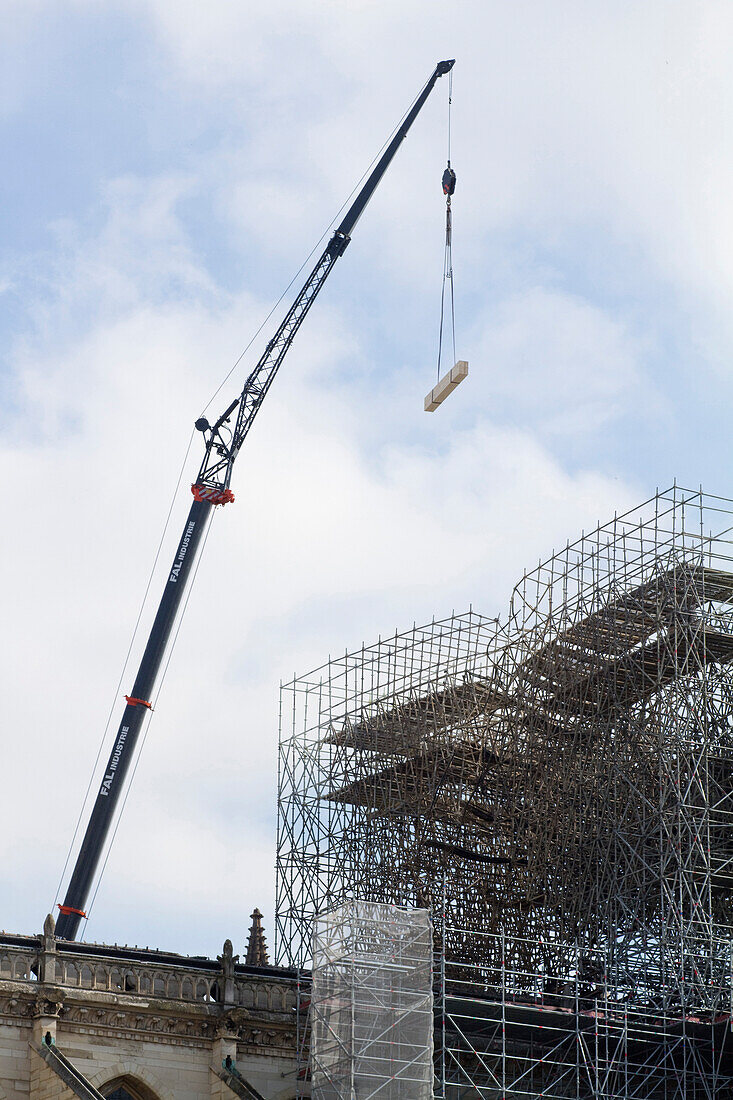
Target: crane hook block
[[212, 494], [449, 181]]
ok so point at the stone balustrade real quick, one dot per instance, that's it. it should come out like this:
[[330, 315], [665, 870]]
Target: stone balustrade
[[147, 973], [162, 1023]]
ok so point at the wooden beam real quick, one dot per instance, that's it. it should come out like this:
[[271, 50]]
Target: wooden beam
[[446, 385]]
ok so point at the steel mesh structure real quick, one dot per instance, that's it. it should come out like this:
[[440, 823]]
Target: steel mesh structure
[[558, 787], [371, 1006]]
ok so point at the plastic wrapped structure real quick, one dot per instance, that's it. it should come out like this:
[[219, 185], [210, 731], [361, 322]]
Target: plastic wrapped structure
[[372, 1003]]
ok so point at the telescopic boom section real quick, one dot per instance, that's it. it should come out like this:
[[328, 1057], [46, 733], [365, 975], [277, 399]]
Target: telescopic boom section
[[210, 488]]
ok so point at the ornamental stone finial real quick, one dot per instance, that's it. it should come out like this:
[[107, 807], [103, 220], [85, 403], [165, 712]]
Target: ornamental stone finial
[[47, 953], [49, 933], [227, 961], [256, 944]]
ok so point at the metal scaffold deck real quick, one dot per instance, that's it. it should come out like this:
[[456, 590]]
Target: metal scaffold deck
[[557, 787]]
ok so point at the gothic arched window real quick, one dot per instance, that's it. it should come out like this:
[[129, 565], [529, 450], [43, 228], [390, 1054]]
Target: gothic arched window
[[126, 1088]]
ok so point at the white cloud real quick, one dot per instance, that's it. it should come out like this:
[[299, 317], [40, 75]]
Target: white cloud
[[605, 122], [557, 361], [592, 234], [341, 530]]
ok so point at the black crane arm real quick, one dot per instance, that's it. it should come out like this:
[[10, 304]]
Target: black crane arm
[[210, 488], [216, 469]]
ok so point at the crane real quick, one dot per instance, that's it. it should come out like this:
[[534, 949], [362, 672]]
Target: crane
[[222, 443]]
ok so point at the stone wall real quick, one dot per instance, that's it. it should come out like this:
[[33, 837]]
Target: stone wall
[[159, 1024]]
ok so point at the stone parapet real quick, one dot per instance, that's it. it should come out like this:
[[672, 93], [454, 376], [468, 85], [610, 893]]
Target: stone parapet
[[107, 1005]]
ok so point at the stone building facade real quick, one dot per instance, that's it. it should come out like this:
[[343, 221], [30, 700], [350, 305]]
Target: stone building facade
[[93, 1020]]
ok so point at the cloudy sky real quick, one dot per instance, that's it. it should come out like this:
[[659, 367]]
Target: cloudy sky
[[166, 168]]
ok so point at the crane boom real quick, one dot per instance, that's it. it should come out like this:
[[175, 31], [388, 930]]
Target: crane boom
[[211, 488]]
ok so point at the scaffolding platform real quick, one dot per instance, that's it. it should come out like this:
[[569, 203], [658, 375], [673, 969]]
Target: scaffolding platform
[[555, 785]]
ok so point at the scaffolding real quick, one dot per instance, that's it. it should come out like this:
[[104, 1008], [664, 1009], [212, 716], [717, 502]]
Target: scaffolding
[[371, 1007], [558, 787]]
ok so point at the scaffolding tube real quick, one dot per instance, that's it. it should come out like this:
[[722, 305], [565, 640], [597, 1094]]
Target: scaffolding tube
[[371, 1008], [557, 787]]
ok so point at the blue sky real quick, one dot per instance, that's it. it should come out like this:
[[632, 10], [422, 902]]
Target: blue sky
[[167, 167]]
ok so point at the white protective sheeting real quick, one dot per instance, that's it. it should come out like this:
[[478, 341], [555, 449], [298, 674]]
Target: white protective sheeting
[[372, 1003]]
